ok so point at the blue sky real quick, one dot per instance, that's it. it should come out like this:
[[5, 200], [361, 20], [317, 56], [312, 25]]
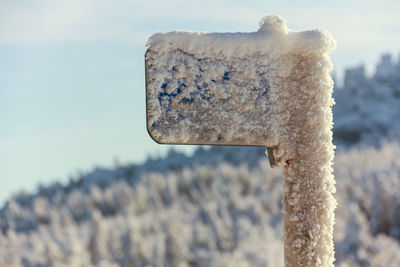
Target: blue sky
[[72, 72]]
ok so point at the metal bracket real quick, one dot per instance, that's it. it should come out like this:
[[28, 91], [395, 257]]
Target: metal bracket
[[271, 157]]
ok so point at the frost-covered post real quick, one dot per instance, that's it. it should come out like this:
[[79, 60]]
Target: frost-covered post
[[266, 88]]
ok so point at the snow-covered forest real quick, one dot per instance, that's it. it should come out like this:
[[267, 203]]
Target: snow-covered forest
[[221, 206], [367, 108]]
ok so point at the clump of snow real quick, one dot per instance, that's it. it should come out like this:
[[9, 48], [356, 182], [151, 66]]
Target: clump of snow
[[273, 38]]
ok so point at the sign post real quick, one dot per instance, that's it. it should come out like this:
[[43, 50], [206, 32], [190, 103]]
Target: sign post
[[266, 88]]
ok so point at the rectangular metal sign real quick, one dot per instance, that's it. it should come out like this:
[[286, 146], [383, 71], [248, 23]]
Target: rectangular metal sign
[[192, 100]]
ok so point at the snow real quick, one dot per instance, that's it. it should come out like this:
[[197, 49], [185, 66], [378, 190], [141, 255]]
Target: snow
[[200, 210], [270, 88], [273, 38]]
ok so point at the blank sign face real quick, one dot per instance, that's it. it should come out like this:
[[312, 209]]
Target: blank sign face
[[207, 101], [232, 88]]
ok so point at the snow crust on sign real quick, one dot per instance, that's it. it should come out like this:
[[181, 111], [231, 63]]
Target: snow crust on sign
[[272, 38], [296, 115]]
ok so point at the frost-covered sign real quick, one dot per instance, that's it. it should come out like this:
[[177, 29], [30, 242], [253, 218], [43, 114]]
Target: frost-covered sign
[[265, 88]]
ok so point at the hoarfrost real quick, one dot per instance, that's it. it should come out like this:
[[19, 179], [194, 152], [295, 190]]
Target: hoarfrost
[[224, 88], [218, 213], [268, 88]]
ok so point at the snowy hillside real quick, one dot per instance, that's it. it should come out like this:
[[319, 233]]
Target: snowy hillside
[[221, 206], [213, 213]]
